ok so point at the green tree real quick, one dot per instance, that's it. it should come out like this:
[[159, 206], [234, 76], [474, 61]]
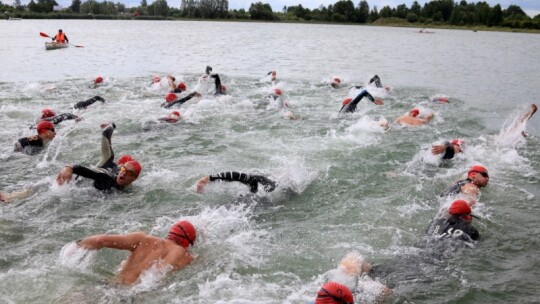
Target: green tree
[[33, 7], [363, 12], [346, 9], [386, 12], [402, 11], [374, 14], [495, 16], [261, 11], [416, 8], [75, 6], [411, 17]]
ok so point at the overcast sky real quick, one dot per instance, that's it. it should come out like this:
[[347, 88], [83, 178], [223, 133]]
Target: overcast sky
[[531, 7]]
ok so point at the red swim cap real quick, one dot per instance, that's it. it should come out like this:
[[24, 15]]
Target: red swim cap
[[44, 126], [182, 233], [277, 92], [182, 86], [171, 97], [99, 79], [273, 73], [136, 166], [223, 88], [46, 113], [414, 112], [175, 113], [156, 79], [124, 159], [459, 207], [346, 101], [443, 99], [334, 293], [458, 142], [478, 168], [337, 80]]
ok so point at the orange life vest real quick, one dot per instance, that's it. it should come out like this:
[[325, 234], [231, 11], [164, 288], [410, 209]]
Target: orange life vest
[[60, 38]]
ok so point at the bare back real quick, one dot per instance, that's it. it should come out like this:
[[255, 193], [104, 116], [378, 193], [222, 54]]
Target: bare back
[[410, 121], [152, 251]]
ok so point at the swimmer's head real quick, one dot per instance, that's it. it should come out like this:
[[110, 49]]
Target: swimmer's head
[[46, 113], [223, 88], [60, 31], [46, 130], [124, 159], [414, 112], [174, 116], [459, 143], [479, 175], [182, 86], [346, 101], [354, 264], [171, 97], [277, 92], [156, 79], [182, 233], [462, 209], [334, 293], [129, 172], [98, 79], [336, 81]]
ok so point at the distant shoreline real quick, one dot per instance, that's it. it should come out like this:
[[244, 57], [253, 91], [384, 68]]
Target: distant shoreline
[[428, 27]]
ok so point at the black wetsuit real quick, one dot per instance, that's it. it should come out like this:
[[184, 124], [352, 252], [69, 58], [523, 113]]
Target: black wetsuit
[[375, 79], [59, 118], [104, 175], [178, 90], [449, 150], [180, 101], [29, 145], [455, 188], [84, 104], [217, 82], [454, 227], [351, 106], [250, 180]]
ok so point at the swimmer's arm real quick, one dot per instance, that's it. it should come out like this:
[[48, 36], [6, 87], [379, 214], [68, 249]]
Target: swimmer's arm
[[128, 241], [470, 190], [438, 149], [65, 116], [9, 197], [427, 119]]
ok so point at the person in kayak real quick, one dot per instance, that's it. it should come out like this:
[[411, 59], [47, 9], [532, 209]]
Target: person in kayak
[[88, 102], [34, 144], [107, 174], [146, 251], [61, 37]]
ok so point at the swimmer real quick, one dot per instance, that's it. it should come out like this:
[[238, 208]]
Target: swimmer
[[336, 81], [412, 119], [173, 117], [8, 197], [87, 103], [349, 104], [220, 89], [34, 144], [273, 77], [528, 116], [477, 178], [353, 272], [97, 82], [171, 99], [334, 293], [457, 223], [49, 115], [147, 251], [252, 181], [449, 148], [173, 88], [107, 174]]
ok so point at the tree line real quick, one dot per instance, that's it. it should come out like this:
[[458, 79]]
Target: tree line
[[441, 12]]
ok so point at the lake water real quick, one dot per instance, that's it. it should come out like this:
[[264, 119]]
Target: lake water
[[344, 184]]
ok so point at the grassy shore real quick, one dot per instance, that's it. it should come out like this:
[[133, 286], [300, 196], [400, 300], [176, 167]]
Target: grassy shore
[[391, 22]]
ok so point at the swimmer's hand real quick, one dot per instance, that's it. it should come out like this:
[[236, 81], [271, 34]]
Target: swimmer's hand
[[196, 94], [78, 119], [201, 183], [64, 175], [438, 149], [378, 102]]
